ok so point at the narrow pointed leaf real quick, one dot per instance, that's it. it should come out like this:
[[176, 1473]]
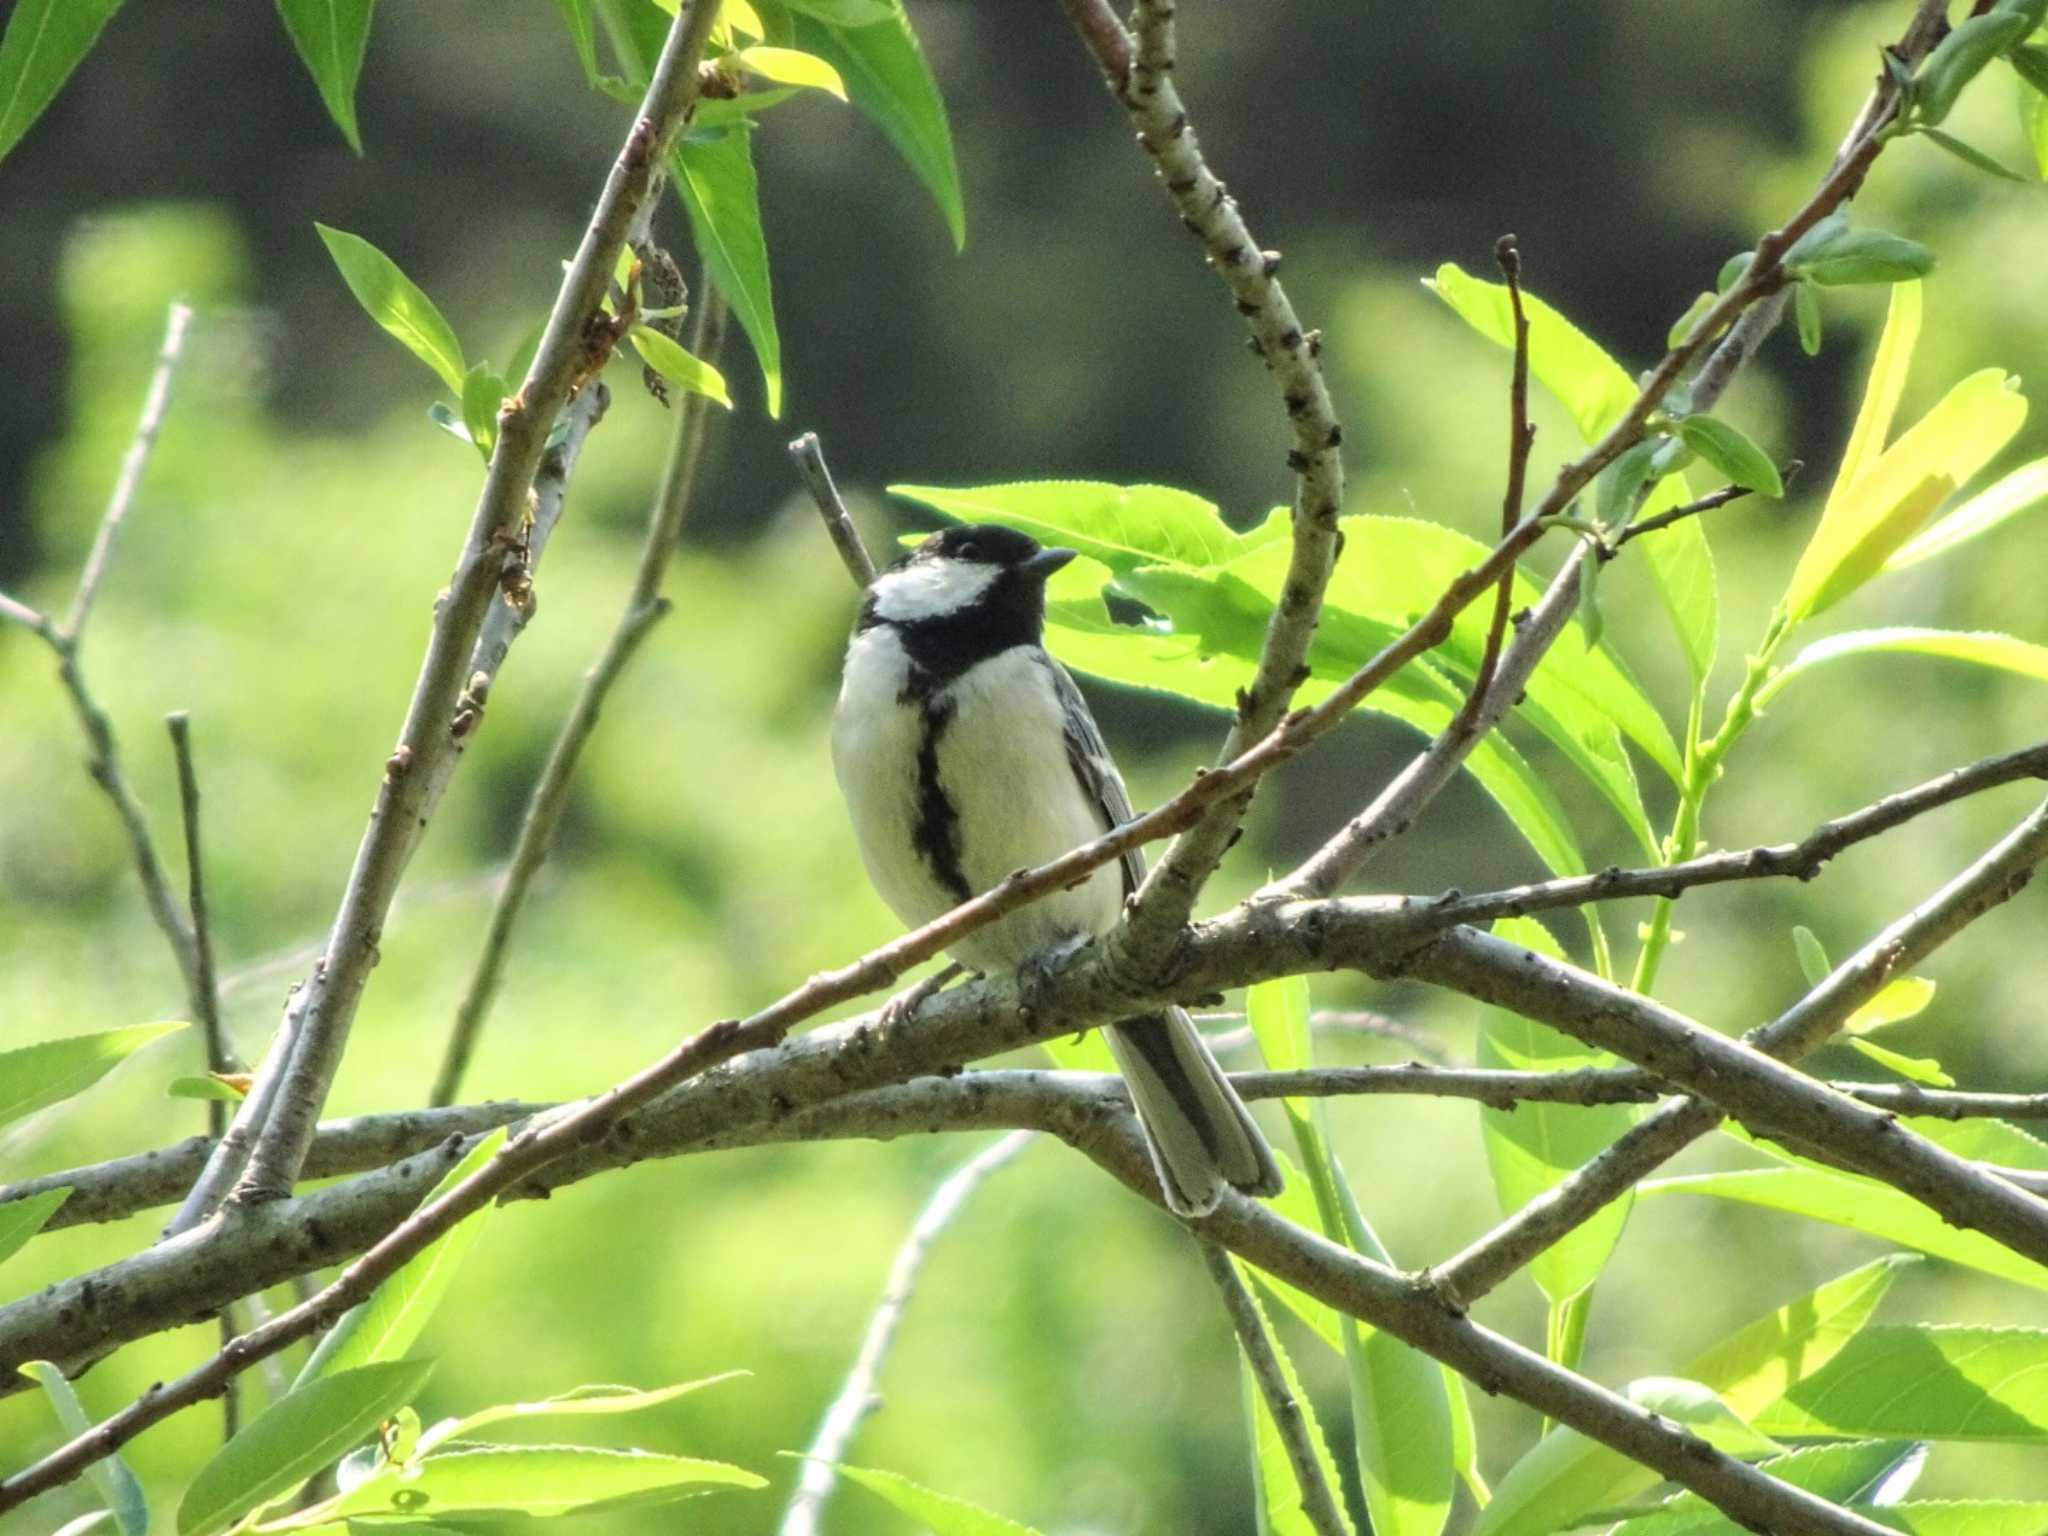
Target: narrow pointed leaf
[[941, 1513], [1806, 310], [21, 1220], [110, 1475], [1971, 155], [885, 72], [582, 31], [791, 66], [388, 1324], [1125, 527], [2033, 104], [397, 304], [1277, 1489], [596, 1398], [1534, 1147], [331, 36], [482, 393], [1733, 454], [44, 42], [1837, 1472], [538, 1481], [33, 1077], [2005, 653], [299, 1434], [680, 367], [715, 176], [2024, 490], [1960, 58], [1881, 391]]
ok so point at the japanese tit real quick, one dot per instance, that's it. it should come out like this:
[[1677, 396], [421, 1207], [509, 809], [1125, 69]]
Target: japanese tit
[[965, 752]]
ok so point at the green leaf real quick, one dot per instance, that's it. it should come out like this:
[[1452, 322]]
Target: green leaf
[[1980, 648], [1924, 1070], [582, 35], [396, 303], [1732, 454], [386, 1326], [1565, 1475], [2033, 104], [1865, 256], [1972, 156], [596, 1398], [482, 393], [1813, 960], [1863, 1205], [1925, 1383], [110, 1475], [21, 1220], [846, 13], [1963, 1517], [2021, 491], [1597, 392], [1534, 1147], [1838, 1472], [791, 66], [331, 36], [939, 1512], [1806, 310], [1694, 313], [1125, 527], [533, 1480], [299, 1434], [203, 1088], [1276, 1488], [44, 42], [2031, 62], [679, 366], [1866, 522], [1898, 1000], [886, 74], [715, 175], [1960, 58], [33, 1077]]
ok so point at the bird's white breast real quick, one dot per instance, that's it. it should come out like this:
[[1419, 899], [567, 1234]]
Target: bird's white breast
[[1002, 759]]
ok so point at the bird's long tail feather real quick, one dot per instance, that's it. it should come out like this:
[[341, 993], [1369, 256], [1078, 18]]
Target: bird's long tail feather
[[1202, 1136]]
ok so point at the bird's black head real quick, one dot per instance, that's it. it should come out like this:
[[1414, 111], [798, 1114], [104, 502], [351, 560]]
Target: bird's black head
[[964, 594]]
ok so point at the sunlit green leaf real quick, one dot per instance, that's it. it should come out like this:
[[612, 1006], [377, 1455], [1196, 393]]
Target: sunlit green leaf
[[386, 1326], [1532, 1148], [1124, 527], [397, 304], [1925, 1383], [2001, 652], [1566, 1475], [331, 36], [299, 1434], [791, 66], [940, 1513], [482, 393], [21, 1220], [2033, 104], [1275, 1485], [1732, 454], [109, 1474], [44, 41], [1864, 524], [203, 1087], [33, 1077], [846, 13], [2025, 489], [1924, 1070], [715, 175], [596, 1398], [679, 366], [534, 1480], [1863, 1205], [1902, 998], [1837, 1472]]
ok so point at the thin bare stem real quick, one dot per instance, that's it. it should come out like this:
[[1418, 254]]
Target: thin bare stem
[[1521, 437], [1318, 1501], [858, 1398], [220, 1056], [809, 455], [156, 405], [545, 802]]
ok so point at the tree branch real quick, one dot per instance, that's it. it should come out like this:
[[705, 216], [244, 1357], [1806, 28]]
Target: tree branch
[[1140, 77], [809, 455], [545, 802]]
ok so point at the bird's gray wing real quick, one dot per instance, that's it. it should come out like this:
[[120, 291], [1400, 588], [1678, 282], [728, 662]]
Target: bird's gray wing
[[1094, 769]]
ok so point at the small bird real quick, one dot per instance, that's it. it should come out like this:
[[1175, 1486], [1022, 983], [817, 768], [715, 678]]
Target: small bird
[[965, 752]]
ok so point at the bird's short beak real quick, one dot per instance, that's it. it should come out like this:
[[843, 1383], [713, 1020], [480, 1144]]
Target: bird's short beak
[[1046, 561]]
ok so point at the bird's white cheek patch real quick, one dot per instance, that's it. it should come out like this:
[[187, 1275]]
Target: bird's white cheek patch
[[931, 588]]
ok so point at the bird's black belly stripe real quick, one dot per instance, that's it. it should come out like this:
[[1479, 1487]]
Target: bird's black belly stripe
[[936, 832]]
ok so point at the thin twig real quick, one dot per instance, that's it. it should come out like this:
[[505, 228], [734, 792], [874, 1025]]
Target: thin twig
[[549, 796], [1802, 860], [220, 1056], [1521, 438], [1337, 1021], [1139, 74], [447, 705], [1712, 501], [1318, 1500], [156, 406], [858, 1398], [809, 455]]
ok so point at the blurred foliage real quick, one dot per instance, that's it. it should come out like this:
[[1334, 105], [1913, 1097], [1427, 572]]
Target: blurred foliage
[[1065, 1361]]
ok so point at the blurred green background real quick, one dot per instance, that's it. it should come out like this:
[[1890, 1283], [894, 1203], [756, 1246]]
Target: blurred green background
[[1065, 1361]]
